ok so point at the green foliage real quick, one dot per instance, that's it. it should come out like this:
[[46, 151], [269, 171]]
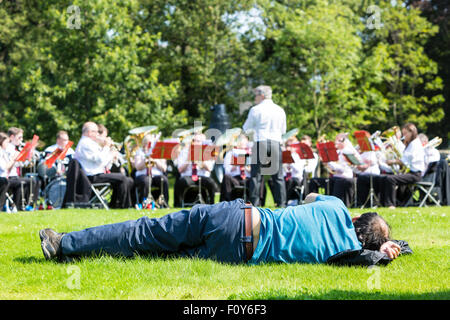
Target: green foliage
[[410, 82], [58, 78], [142, 62]]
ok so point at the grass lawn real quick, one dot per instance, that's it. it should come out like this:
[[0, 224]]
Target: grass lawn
[[26, 275]]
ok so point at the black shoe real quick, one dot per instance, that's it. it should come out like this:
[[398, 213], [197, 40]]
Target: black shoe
[[51, 243]]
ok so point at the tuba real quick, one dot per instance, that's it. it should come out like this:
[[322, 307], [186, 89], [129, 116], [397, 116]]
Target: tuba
[[394, 152], [133, 142]]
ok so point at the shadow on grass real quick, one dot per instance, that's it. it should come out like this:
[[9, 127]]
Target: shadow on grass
[[339, 295], [29, 260]]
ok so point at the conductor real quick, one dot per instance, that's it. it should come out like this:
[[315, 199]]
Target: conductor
[[268, 122]]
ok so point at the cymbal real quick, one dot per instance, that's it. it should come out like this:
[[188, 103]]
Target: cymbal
[[285, 137], [140, 130], [228, 136]]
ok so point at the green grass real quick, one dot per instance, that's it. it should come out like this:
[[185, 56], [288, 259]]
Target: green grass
[[25, 274]]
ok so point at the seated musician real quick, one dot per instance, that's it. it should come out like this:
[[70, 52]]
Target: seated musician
[[62, 138], [431, 153], [342, 180], [94, 159], [158, 170], [19, 187], [189, 170], [115, 165], [293, 172], [370, 168], [5, 166], [237, 175], [412, 162]]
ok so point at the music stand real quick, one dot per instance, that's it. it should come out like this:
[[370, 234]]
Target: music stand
[[241, 160], [327, 153], [162, 150], [362, 137], [201, 153], [27, 154], [305, 153]]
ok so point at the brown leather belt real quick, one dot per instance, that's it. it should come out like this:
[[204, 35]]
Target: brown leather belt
[[248, 232]]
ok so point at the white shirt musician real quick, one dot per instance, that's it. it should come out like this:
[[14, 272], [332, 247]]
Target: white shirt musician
[[189, 174], [93, 159], [341, 167], [236, 176], [185, 166], [159, 181], [234, 170], [296, 169], [342, 180], [431, 153], [413, 158], [62, 138], [18, 187], [370, 163]]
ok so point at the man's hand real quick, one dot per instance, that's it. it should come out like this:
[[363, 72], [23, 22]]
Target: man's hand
[[391, 249]]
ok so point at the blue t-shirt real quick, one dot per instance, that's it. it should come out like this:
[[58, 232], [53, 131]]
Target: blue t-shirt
[[308, 233]]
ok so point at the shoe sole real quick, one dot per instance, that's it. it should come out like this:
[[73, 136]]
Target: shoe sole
[[47, 249]]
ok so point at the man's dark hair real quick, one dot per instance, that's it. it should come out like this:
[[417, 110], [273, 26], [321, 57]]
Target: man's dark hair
[[370, 230]]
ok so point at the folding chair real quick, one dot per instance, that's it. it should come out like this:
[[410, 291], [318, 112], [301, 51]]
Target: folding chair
[[101, 191], [9, 201], [79, 189], [426, 187]]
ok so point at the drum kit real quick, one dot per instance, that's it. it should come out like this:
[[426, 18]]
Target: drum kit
[[54, 183]]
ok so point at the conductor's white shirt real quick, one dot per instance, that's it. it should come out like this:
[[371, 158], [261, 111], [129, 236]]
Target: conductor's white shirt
[[268, 120], [92, 157]]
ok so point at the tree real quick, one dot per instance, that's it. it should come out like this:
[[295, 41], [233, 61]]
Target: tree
[[101, 71], [200, 51], [410, 82], [312, 57]]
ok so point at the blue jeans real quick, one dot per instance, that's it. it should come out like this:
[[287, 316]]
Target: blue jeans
[[206, 231]]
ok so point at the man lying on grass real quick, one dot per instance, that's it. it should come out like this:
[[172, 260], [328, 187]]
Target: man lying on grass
[[320, 231]]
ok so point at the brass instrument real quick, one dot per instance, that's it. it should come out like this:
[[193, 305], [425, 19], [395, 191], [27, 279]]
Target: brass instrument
[[133, 142], [291, 133], [229, 140], [433, 143], [394, 152]]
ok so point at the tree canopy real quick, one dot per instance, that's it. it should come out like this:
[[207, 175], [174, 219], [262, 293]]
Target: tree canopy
[[334, 65]]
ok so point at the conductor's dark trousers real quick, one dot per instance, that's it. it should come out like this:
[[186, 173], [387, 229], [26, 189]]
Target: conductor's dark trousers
[[206, 231], [268, 157]]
